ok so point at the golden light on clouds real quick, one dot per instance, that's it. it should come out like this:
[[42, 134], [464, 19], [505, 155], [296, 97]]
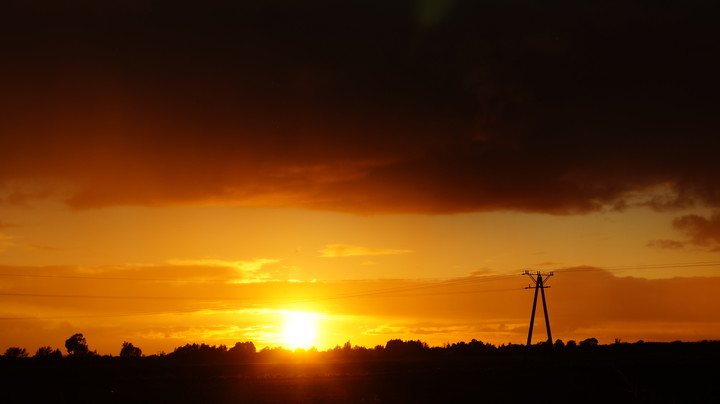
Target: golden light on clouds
[[249, 271]]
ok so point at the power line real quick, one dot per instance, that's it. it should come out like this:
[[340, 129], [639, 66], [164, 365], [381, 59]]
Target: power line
[[386, 291], [397, 291], [121, 297], [463, 292], [349, 295], [63, 317], [489, 278], [448, 283], [112, 278], [588, 269], [642, 267], [153, 313]]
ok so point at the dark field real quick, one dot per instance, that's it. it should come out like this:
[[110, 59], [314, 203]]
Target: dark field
[[662, 373]]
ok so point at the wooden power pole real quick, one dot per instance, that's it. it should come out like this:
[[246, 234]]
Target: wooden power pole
[[540, 284]]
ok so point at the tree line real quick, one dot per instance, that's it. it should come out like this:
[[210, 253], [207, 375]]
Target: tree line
[[77, 347]]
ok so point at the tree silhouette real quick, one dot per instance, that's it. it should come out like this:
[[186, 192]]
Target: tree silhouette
[[199, 352], [588, 343], [128, 350], [48, 352], [243, 350], [77, 346], [398, 347], [15, 352]]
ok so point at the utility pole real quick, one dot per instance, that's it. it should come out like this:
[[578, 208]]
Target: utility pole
[[539, 282]]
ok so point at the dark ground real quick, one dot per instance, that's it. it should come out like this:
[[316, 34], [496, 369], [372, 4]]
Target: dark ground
[[595, 377]]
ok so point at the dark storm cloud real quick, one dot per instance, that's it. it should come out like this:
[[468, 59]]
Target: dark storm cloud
[[364, 107], [700, 230]]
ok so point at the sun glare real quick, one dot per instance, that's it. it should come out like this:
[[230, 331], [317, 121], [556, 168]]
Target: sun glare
[[300, 329]]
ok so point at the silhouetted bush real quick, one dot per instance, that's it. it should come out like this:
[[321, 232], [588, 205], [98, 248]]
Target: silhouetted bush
[[513, 348], [400, 348], [243, 350], [199, 352], [15, 352], [47, 352], [589, 343], [468, 349], [276, 354], [128, 350], [77, 346]]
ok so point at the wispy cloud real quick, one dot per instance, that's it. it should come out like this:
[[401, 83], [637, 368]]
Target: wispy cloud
[[551, 263], [344, 250], [250, 270], [700, 230], [666, 244], [5, 225], [244, 266], [7, 242], [482, 272]]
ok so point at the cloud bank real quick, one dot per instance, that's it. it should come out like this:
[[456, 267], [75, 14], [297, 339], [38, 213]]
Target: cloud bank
[[362, 107]]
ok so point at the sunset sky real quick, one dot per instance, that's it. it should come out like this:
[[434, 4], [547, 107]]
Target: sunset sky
[[173, 174]]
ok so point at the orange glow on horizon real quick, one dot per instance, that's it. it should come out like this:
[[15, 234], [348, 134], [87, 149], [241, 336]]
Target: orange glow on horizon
[[164, 277]]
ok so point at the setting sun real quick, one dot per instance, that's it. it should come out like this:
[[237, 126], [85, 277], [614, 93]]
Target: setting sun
[[300, 329]]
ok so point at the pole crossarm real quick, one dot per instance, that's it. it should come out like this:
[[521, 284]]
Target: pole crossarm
[[538, 276]]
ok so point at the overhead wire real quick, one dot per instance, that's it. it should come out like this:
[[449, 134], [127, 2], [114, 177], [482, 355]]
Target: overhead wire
[[641, 267], [461, 281], [167, 312], [121, 297], [472, 278], [400, 291], [113, 278], [64, 317]]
